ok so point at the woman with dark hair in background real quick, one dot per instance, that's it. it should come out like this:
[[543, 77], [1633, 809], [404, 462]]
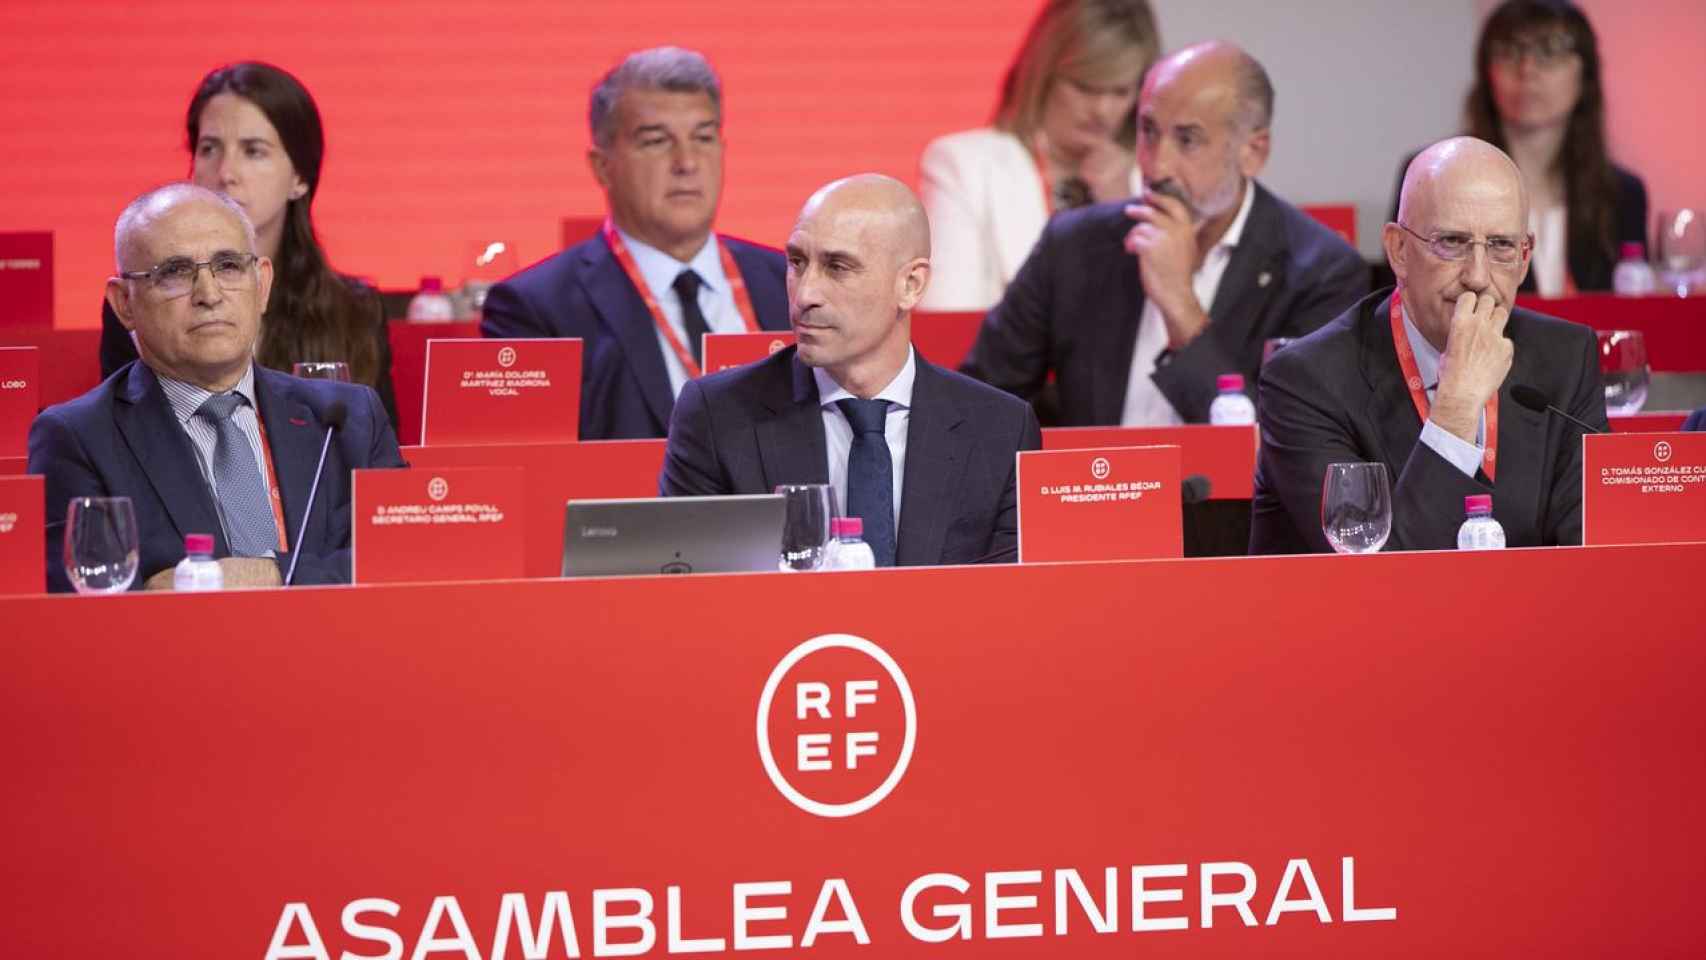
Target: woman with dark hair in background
[[1538, 96], [1063, 136], [255, 136]]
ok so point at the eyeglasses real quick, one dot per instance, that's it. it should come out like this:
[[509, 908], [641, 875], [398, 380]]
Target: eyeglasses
[[1456, 246], [176, 277], [1546, 51]]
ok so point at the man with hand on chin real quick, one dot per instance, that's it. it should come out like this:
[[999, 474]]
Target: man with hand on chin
[[924, 456], [1420, 378], [1137, 307]]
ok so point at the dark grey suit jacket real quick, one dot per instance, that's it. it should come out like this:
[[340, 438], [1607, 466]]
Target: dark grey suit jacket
[[748, 429], [1074, 309], [122, 439], [1337, 395], [583, 292]]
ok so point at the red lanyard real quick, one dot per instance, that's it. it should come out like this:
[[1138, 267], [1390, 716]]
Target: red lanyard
[[731, 274], [272, 481], [1418, 389]]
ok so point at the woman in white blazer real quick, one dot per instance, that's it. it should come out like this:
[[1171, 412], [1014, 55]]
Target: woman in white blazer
[[1063, 137]]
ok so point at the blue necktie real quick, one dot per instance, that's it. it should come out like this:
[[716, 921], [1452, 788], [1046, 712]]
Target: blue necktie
[[242, 494], [870, 475]]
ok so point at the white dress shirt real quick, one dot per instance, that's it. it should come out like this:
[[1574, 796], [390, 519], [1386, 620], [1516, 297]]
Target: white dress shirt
[[1145, 404], [838, 433], [716, 297], [186, 398], [1457, 451]]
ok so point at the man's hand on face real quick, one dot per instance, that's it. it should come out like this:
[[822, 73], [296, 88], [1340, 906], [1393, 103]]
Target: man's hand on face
[[1165, 243], [1476, 360]]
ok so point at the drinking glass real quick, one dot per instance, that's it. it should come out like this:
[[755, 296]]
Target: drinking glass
[[322, 370], [1682, 253], [100, 544], [805, 533], [1356, 507], [1623, 367]]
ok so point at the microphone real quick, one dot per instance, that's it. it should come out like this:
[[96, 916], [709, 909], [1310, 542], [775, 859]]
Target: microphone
[[1535, 400], [1195, 488], [336, 413]]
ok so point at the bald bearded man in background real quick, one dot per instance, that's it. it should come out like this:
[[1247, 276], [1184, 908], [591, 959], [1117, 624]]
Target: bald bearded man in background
[[923, 455], [1460, 249]]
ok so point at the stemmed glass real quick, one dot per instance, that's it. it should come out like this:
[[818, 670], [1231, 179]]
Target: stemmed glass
[[1356, 507], [322, 370], [1623, 367], [805, 533], [100, 544], [1682, 253]]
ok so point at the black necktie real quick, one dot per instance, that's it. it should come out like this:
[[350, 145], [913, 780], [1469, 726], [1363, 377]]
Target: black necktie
[[870, 475], [686, 287]]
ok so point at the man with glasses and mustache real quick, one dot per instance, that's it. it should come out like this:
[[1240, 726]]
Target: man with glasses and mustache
[[1136, 307], [200, 437], [1421, 377]]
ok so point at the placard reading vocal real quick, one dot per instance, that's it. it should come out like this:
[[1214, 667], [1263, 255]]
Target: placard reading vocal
[[501, 391], [461, 523], [1643, 487], [1114, 503]]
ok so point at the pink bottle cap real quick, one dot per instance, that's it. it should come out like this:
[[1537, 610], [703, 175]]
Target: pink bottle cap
[[1631, 251], [198, 543], [432, 284], [1229, 381], [1478, 503], [847, 527]]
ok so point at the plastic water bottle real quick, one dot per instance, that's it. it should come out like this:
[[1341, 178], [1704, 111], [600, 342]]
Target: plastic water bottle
[[1480, 531], [1232, 408], [198, 570], [847, 547], [1634, 276], [431, 304]]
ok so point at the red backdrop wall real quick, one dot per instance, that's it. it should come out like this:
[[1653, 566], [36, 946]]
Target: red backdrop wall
[[454, 123]]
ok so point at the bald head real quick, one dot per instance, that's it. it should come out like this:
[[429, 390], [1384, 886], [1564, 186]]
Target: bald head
[[1228, 71], [890, 210], [151, 207], [1460, 168]]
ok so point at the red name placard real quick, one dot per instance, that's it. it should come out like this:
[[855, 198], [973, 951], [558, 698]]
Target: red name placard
[[501, 391], [724, 350], [555, 474], [20, 398], [1225, 456], [1110, 503], [436, 524], [1643, 487], [21, 519], [26, 279]]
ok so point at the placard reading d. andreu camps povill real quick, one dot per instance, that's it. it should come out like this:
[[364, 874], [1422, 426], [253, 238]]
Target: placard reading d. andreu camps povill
[[459, 523]]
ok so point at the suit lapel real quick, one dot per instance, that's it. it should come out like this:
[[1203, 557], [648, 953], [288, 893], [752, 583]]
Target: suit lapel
[[1115, 330], [151, 430], [791, 445], [623, 312], [1242, 298], [294, 435], [936, 455], [1522, 441], [1390, 410]]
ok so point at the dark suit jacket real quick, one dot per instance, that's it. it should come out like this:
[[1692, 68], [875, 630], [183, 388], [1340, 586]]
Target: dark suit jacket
[[1696, 420], [748, 429], [122, 439], [583, 292], [117, 349], [1338, 395], [1075, 305], [1590, 266]]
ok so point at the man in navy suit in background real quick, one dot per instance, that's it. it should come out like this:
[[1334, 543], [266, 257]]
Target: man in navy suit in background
[[924, 456], [642, 292], [200, 437]]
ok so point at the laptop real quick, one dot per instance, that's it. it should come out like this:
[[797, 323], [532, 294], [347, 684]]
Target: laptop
[[603, 538]]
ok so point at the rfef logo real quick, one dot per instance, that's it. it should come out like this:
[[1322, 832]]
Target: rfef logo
[[437, 488], [506, 357], [1661, 451], [1099, 468], [836, 725]]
